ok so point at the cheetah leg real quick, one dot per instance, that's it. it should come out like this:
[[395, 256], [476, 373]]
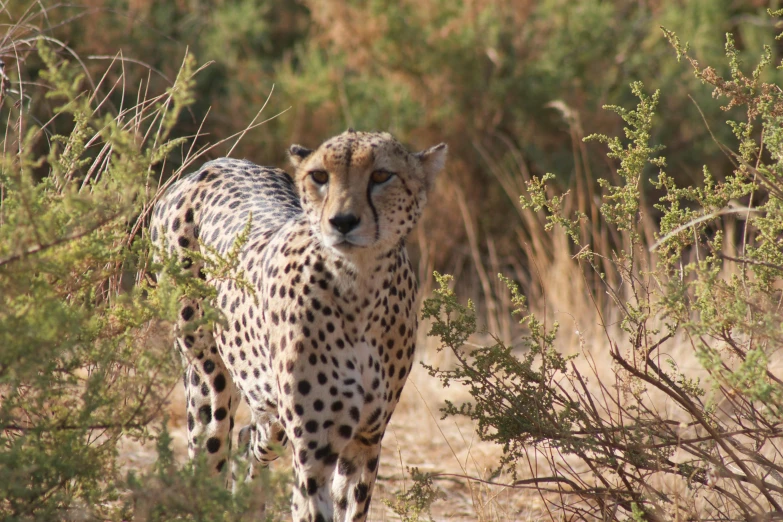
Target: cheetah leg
[[312, 500], [212, 399], [353, 483], [261, 442]]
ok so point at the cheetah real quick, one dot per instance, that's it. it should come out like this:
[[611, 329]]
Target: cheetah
[[322, 345]]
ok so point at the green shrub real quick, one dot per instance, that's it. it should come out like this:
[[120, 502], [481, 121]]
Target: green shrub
[[87, 357], [654, 440]]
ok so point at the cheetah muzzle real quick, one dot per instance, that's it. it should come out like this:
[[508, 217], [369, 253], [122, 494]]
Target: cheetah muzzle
[[322, 347]]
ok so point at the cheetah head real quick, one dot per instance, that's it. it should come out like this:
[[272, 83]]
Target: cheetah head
[[363, 190]]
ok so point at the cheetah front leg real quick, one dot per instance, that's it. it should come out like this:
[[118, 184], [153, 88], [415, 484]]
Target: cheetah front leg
[[212, 397], [353, 483], [320, 423]]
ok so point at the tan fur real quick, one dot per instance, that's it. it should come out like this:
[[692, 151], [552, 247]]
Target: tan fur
[[323, 345]]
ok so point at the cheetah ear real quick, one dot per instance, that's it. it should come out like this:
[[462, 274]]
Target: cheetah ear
[[432, 161], [297, 154]]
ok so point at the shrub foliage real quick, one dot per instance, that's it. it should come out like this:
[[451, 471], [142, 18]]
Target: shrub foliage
[[658, 440], [86, 359], [684, 264]]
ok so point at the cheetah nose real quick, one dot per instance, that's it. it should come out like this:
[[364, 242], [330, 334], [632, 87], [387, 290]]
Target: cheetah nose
[[344, 223]]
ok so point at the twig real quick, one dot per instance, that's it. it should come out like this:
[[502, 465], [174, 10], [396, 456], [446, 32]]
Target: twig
[[69, 237]]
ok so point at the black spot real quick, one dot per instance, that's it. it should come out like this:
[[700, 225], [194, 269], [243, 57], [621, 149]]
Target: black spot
[[360, 493], [325, 451], [187, 313], [220, 465], [337, 406], [303, 387], [345, 431], [213, 444], [209, 366], [321, 378], [219, 382], [220, 414], [354, 413], [318, 405], [189, 216], [183, 242], [311, 426], [191, 422], [205, 414], [312, 486], [374, 416], [372, 464], [345, 467]]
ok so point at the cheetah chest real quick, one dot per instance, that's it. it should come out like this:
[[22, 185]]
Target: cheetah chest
[[319, 332]]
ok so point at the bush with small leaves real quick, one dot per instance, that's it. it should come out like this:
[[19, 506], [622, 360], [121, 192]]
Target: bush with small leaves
[[655, 441], [87, 358]]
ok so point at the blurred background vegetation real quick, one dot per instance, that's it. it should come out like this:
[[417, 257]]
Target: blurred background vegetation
[[94, 127], [509, 84]]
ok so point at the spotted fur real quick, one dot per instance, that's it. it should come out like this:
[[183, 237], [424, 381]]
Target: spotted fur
[[322, 350]]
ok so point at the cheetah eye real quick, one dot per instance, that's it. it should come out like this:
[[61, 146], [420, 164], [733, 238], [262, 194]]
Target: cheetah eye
[[320, 177], [381, 176]]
